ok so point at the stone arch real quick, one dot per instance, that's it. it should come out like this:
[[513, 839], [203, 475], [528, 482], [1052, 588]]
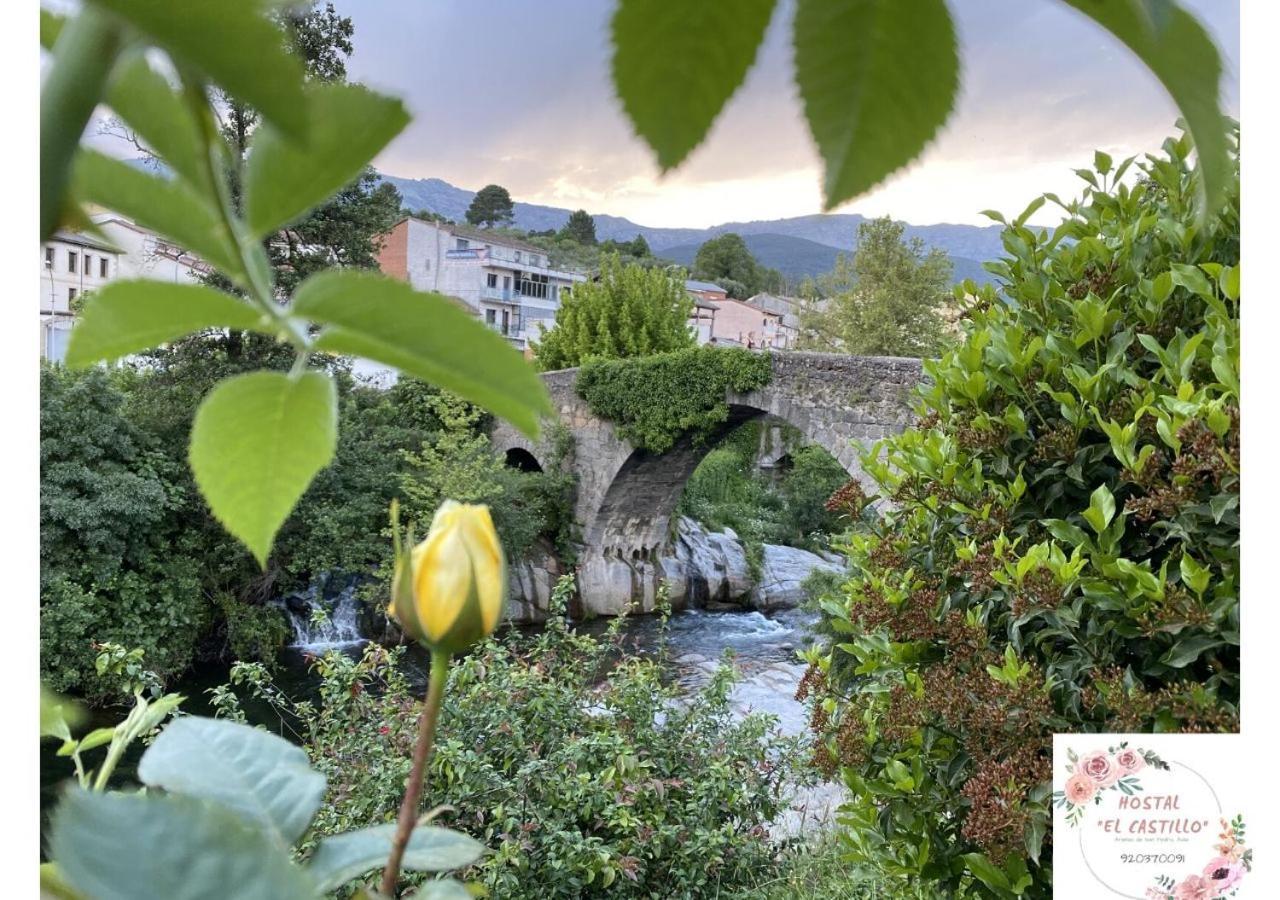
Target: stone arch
[[523, 459], [633, 519]]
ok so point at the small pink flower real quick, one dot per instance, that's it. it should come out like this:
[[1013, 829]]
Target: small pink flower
[[1129, 761], [1223, 873], [1194, 887], [1080, 789], [1100, 767]]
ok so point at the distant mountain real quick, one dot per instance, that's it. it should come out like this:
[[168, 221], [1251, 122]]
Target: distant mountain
[[794, 246], [797, 257]]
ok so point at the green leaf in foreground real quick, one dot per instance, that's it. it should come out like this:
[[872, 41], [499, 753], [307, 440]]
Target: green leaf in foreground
[[878, 79], [233, 43], [262, 777], [675, 65], [424, 335], [343, 857], [162, 120], [165, 205], [256, 443], [113, 846], [129, 316], [350, 125], [1178, 51]]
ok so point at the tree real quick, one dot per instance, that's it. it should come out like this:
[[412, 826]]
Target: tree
[[491, 206], [580, 227], [725, 259], [631, 310], [640, 247], [884, 301]]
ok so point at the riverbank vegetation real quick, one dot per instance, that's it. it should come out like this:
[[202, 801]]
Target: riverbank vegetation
[[130, 554], [1062, 548]]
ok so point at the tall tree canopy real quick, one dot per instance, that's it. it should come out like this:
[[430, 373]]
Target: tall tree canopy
[[632, 310], [580, 227], [726, 260], [884, 301], [491, 206]]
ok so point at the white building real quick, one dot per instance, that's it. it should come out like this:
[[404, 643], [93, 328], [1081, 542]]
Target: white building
[[72, 264], [507, 282]]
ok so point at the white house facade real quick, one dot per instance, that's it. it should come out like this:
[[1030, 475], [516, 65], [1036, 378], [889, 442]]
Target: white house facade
[[73, 264], [508, 283]]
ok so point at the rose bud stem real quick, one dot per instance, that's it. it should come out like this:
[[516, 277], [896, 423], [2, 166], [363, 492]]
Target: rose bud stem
[[417, 775]]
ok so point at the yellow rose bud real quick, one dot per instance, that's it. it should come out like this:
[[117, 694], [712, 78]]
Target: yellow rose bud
[[448, 592]]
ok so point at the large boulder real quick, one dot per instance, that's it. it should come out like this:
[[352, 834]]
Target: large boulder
[[782, 574]]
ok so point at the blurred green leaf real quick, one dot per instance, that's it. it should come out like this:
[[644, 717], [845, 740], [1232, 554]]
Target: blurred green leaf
[[130, 316], [257, 442], [1189, 649], [252, 772], [986, 871], [425, 335], [164, 205], [450, 889], [51, 25], [232, 43], [112, 846], [675, 65], [1178, 51], [1102, 509], [878, 79], [162, 120], [343, 857], [350, 126], [58, 714]]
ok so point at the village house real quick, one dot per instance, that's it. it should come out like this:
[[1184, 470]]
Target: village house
[[762, 322], [507, 282], [73, 264]]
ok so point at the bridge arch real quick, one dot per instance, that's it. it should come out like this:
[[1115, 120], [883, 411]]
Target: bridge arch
[[626, 495]]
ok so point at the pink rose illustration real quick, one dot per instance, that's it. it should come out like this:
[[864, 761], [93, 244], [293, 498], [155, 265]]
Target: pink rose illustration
[[1100, 767], [1223, 873], [1080, 789], [1195, 887], [1129, 761]]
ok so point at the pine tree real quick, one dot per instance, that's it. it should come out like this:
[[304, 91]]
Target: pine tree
[[491, 206]]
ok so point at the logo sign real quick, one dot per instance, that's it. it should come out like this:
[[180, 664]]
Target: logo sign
[[1141, 816]]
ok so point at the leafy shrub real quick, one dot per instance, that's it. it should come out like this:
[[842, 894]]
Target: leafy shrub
[[112, 566], [655, 400], [578, 778], [1061, 552]]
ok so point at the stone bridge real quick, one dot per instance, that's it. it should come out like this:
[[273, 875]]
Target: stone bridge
[[626, 496]]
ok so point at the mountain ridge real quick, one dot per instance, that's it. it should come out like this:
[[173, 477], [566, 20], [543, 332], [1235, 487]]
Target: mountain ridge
[[971, 244]]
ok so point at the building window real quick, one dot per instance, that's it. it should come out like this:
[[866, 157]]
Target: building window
[[492, 279], [533, 259], [517, 256], [490, 316], [462, 244], [102, 267], [88, 264], [48, 257], [71, 294], [73, 261]]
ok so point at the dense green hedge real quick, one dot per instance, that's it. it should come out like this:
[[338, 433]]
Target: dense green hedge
[[129, 553], [1062, 548], [655, 400]]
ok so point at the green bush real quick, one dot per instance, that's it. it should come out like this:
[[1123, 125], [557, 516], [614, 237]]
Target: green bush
[[655, 400], [574, 762], [1061, 549]]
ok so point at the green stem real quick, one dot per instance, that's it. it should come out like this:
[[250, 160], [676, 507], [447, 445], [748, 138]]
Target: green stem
[[417, 775], [82, 60]]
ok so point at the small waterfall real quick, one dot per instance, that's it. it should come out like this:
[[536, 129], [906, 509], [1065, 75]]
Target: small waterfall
[[321, 622]]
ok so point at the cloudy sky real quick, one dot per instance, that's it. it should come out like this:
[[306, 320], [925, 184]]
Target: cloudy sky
[[518, 93]]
